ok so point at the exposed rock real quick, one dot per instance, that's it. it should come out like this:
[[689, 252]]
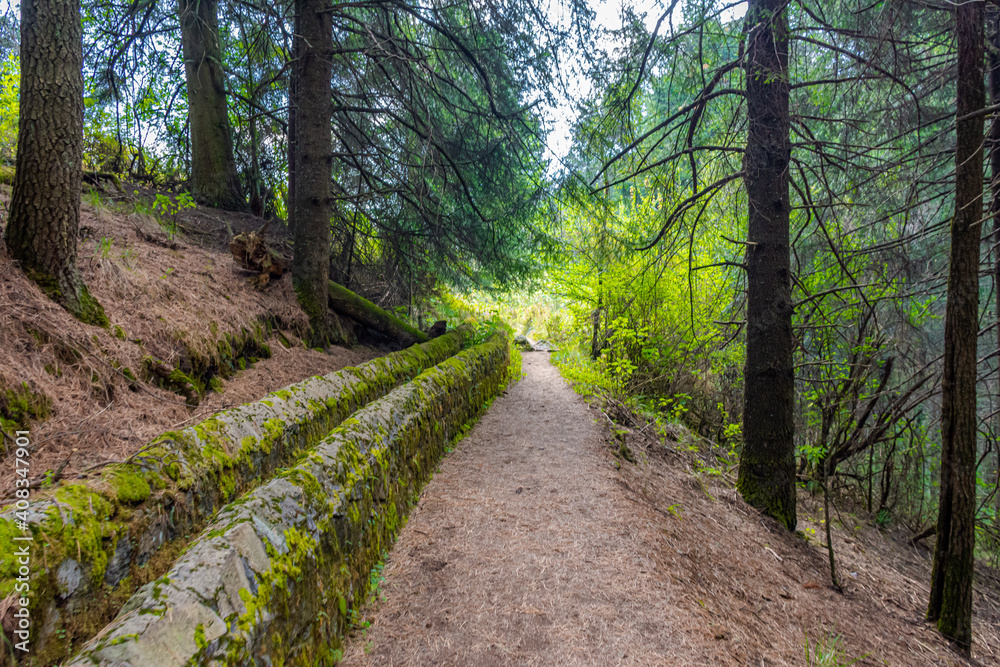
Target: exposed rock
[[121, 560], [68, 577], [276, 577], [99, 528], [523, 343]]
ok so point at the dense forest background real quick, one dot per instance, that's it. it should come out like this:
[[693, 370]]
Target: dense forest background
[[750, 232]]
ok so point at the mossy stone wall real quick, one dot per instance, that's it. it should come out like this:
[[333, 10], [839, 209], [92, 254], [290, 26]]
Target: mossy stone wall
[[95, 542], [274, 578]]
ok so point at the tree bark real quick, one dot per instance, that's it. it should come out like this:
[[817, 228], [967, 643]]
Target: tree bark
[[45, 205], [313, 201], [214, 178], [994, 52], [293, 108], [767, 463], [951, 576]]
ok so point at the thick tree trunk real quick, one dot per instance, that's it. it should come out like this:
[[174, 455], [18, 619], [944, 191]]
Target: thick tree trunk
[[767, 463], [214, 178], [951, 577], [45, 206], [313, 203]]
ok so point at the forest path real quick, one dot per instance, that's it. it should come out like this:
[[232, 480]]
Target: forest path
[[524, 549]]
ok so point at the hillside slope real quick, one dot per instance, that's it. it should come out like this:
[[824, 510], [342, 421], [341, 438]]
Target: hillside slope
[[189, 336], [759, 594]]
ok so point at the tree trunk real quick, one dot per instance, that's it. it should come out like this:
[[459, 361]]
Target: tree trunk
[[45, 206], [255, 181], [214, 178], [293, 108], [313, 203], [767, 463], [995, 211], [951, 577]]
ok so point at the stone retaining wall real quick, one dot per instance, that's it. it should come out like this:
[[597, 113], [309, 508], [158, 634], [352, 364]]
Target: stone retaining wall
[[275, 576], [96, 541]]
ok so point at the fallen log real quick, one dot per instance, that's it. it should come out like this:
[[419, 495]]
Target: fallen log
[[367, 314]]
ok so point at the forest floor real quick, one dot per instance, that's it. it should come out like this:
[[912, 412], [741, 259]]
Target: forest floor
[[531, 547], [171, 290]]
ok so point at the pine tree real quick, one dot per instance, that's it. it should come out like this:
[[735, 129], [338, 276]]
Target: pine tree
[[44, 218]]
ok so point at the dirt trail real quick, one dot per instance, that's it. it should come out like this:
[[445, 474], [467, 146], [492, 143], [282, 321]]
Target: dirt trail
[[529, 548], [525, 550]]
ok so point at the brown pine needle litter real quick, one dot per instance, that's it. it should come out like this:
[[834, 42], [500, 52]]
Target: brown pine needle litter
[[529, 547], [168, 295]]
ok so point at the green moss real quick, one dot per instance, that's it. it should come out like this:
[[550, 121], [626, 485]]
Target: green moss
[[118, 332], [129, 485], [308, 483], [215, 384], [209, 431], [8, 557], [356, 303], [274, 581], [48, 283], [274, 430], [162, 457], [315, 308], [213, 458], [89, 310], [77, 527], [199, 637], [767, 498], [174, 380], [208, 467], [22, 405], [187, 383], [321, 576]]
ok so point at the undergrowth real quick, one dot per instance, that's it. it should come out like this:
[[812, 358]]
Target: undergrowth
[[828, 651]]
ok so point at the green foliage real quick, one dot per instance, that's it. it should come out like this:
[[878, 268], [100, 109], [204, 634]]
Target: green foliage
[[166, 210], [652, 321], [485, 328], [534, 313], [10, 85], [103, 247], [828, 651]]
